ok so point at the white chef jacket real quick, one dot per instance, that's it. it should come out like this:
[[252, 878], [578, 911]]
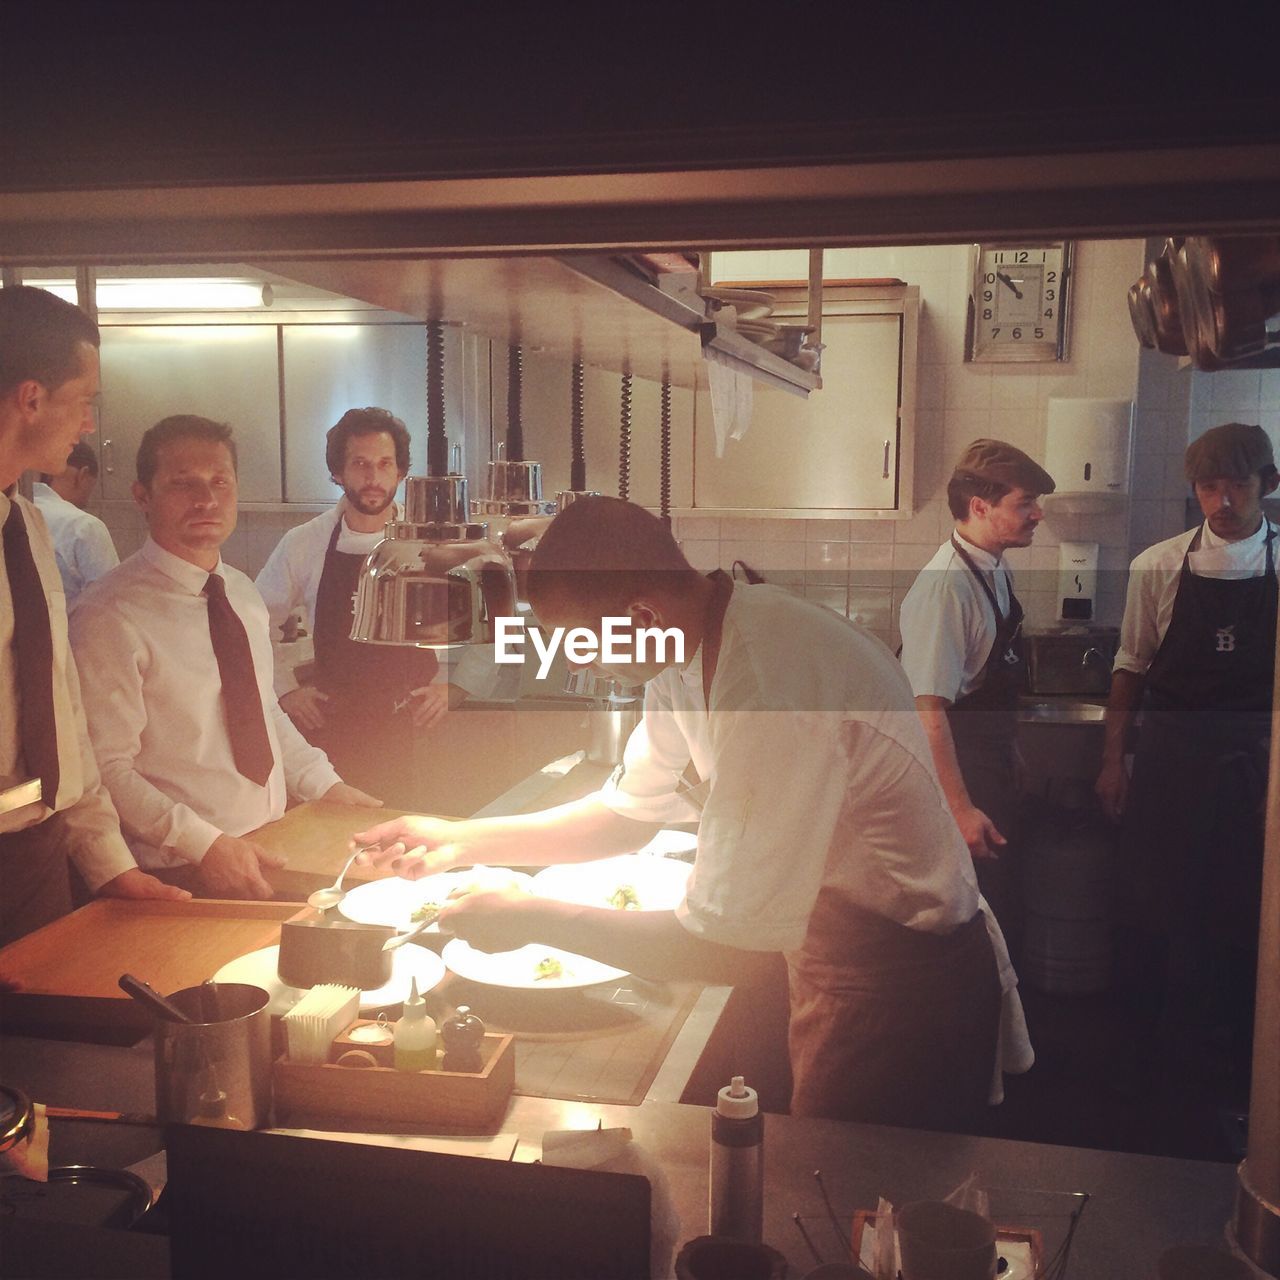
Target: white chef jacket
[[947, 624], [92, 829], [1153, 585], [815, 771], [291, 577], [153, 698], [81, 542]]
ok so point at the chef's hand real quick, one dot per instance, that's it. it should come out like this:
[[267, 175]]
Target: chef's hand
[[493, 919], [135, 883], [430, 704], [305, 706], [232, 868], [412, 846], [342, 793], [1112, 789], [980, 833]]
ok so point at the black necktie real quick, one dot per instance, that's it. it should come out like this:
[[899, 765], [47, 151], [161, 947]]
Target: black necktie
[[33, 651], [241, 698]]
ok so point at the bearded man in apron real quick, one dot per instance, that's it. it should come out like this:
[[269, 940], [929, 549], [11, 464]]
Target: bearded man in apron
[[1197, 655], [962, 650], [366, 704]]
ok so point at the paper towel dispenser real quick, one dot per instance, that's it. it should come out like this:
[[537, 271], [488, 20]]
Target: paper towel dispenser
[[1087, 445]]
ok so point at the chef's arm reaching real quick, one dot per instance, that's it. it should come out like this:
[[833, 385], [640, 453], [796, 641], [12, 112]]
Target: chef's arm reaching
[[652, 944], [416, 846], [1112, 786], [980, 833]]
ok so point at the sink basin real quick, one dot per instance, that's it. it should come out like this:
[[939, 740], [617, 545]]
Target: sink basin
[[1062, 712]]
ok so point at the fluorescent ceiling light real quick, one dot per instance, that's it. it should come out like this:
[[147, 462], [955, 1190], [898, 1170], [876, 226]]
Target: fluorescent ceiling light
[[166, 294]]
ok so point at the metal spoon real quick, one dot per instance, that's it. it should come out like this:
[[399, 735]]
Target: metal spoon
[[323, 899]]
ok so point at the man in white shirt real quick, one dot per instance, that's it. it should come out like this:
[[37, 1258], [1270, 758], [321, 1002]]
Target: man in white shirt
[[1197, 654], [962, 651], [823, 832], [81, 541], [365, 701], [48, 386], [177, 679]]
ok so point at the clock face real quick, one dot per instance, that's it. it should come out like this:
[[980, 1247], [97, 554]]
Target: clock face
[[1018, 302]]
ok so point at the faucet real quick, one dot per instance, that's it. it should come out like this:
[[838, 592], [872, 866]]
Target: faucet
[[1094, 652]]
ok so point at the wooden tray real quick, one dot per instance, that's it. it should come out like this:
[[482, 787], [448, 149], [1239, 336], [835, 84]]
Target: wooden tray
[[314, 837], [68, 971], [314, 1096]]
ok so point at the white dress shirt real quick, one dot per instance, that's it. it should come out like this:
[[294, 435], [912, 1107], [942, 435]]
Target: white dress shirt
[[815, 771], [1153, 585], [154, 704], [81, 542], [291, 578], [93, 831], [947, 624]]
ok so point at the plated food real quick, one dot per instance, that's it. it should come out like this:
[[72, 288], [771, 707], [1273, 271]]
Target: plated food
[[531, 968], [401, 904], [628, 882]]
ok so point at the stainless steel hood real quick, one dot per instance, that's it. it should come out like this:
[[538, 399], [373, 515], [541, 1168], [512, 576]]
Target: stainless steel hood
[[588, 307]]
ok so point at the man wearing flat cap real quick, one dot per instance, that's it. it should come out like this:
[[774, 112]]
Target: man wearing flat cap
[[1197, 655], [962, 649]]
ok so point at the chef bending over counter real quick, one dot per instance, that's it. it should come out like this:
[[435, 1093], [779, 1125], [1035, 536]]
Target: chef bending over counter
[[791, 735]]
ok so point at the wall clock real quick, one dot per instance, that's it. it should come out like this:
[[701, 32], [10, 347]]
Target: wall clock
[[1019, 301]]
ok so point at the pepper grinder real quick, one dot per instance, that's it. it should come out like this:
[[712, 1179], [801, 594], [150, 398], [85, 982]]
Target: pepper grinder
[[463, 1034], [736, 1197]]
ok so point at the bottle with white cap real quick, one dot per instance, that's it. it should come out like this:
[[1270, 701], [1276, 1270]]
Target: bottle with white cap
[[413, 1044], [736, 1199]]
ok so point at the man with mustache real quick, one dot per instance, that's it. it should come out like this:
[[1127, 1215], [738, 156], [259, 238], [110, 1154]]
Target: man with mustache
[[962, 649], [1197, 654], [364, 701]]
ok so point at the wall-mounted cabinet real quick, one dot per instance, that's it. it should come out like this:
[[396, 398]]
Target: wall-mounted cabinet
[[227, 372], [846, 451]]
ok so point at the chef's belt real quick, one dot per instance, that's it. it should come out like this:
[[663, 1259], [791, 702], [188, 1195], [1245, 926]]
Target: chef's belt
[[891, 1025]]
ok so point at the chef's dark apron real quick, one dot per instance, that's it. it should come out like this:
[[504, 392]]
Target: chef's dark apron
[[370, 743], [1196, 815], [984, 726]]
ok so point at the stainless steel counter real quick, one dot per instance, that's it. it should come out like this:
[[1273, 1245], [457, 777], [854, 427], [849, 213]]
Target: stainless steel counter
[[1139, 1205]]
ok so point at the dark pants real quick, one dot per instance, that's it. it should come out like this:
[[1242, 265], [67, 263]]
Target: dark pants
[[35, 885], [890, 1025]]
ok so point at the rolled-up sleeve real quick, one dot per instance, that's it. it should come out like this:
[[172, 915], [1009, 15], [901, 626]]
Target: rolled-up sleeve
[[649, 784], [934, 637], [1139, 629]]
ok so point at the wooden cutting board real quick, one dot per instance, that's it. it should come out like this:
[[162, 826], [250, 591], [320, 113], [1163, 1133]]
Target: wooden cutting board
[[171, 945], [315, 837]]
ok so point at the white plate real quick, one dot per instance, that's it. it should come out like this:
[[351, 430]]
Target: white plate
[[518, 969], [669, 842], [393, 901], [659, 883], [258, 969]]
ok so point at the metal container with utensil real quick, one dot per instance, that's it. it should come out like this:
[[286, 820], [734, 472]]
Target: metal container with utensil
[[216, 1069]]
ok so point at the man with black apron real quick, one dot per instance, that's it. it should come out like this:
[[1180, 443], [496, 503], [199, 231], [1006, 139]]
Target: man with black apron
[[1197, 654], [365, 705], [962, 650]]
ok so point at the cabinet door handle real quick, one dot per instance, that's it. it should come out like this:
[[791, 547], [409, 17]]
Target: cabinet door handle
[[108, 457], [885, 476]]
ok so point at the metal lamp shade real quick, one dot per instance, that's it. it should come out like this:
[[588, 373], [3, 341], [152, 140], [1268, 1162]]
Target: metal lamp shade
[[434, 582], [515, 490]]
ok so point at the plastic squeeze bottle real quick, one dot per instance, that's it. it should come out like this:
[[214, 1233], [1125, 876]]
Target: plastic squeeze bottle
[[413, 1043], [736, 1198]]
